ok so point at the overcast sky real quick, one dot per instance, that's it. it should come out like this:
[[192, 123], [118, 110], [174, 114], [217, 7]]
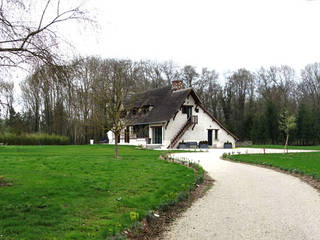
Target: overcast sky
[[218, 34]]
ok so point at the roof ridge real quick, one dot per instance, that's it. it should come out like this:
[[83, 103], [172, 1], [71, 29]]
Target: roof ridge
[[183, 89], [154, 89]]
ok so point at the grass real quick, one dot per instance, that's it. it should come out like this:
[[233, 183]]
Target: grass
[[302, 163], [82, 192], [289, 147]]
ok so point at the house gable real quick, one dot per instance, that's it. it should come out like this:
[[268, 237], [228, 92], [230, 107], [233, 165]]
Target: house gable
[[171, 110], [197, 132]]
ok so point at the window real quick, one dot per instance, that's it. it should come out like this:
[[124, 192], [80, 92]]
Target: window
[[187, 110], [142, 131], [216, 134], [157, 135], [145, 111]]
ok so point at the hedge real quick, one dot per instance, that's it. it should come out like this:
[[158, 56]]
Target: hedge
[[33, 139]]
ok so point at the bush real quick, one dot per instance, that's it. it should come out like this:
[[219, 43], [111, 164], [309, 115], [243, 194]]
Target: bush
[[33, 139]]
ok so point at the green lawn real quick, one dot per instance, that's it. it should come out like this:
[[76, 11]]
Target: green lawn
[[304, 163], [282, 147], [81, 192]]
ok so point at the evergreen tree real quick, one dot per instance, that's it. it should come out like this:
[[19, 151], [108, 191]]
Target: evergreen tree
[[272, 122], [305, 125]]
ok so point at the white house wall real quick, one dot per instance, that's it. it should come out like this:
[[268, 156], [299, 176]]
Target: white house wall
[[200, 131], [179, 121], [132, 141]]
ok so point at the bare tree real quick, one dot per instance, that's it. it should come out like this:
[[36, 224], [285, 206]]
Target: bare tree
[[170, 71], [24, 41], [208, 90], [310, 86], [32, 99], [276, 84], [241, 83], [111, 91], [189, 75]]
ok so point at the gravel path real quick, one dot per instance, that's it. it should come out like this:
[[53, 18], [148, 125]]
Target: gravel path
[[248, 202]]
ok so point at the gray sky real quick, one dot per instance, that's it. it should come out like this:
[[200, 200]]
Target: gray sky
[[223, 35], [218, 34]]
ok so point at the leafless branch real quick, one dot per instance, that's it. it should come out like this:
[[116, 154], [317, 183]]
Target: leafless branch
[[20, 40]]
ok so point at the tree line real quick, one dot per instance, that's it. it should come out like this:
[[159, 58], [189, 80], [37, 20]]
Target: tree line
[[71, 99]]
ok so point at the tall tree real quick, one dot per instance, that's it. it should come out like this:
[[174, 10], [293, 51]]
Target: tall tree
[[112, 90], [310, 85], [6, 97], [31, 96], [189, 75], [305, 131], [241, 82]]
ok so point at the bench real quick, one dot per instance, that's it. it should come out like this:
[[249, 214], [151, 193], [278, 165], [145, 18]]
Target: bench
[[192, 144]]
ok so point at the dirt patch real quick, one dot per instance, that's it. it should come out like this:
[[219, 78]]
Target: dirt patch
[[4, 182], [155, 227], [305, 178]]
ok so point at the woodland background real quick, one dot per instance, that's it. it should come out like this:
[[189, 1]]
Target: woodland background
[[69, 99]]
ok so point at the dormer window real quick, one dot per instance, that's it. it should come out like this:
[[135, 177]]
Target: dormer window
[[187, 110], [145, 109]]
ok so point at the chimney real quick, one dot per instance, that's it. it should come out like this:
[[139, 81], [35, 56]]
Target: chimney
[[177, 85]]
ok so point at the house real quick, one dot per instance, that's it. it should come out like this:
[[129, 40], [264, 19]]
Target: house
[[164, 117]]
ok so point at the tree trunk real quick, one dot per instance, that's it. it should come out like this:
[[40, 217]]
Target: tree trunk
[[286, 145], [116, 150]]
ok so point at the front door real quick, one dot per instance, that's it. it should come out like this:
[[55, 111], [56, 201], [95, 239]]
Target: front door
[[157, 135], [189, 112], [210, 137]]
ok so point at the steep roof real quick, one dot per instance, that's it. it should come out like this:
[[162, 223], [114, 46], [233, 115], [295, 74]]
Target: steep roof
[[165, 102]]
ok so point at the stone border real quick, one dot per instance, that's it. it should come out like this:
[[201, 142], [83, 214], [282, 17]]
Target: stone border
[[154, 227]]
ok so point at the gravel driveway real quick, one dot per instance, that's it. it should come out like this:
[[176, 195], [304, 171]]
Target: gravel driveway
[[248, 202]]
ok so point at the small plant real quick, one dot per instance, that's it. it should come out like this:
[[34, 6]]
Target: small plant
[[134, 216], [182, 196]]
